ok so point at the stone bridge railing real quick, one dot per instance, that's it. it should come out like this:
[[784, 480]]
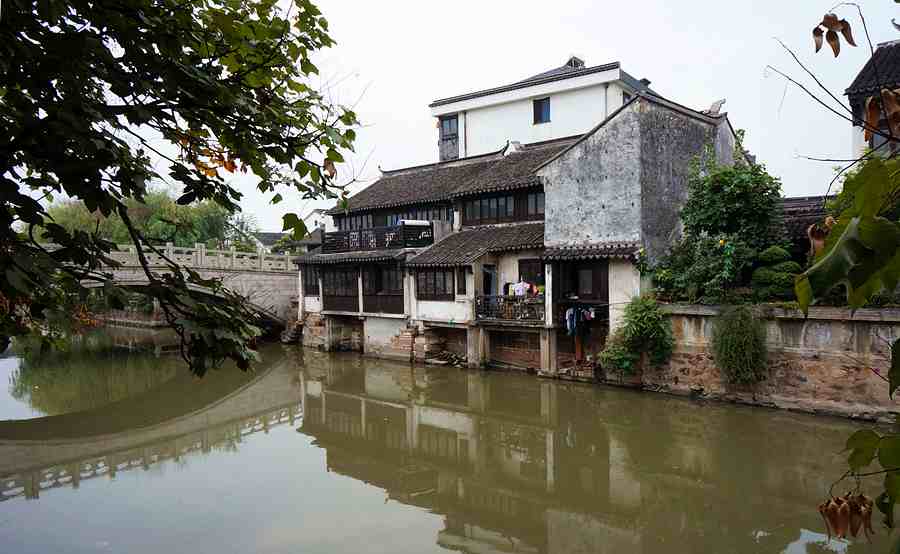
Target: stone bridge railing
[[201, 257]]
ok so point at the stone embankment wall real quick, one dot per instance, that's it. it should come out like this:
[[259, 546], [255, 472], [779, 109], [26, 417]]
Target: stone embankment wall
[[824, 363]]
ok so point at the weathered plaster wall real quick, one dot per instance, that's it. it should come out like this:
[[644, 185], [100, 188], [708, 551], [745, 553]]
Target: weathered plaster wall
[[453, 311], [670, 141], [379, 332], [593, 191], [819, 364]]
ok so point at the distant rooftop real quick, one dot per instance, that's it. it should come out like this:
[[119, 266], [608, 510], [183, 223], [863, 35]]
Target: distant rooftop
[[574, 67]]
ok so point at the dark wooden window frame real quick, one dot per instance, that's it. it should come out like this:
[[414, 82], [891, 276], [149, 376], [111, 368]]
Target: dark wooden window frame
[[532, 270], [570, 282], [310, 280], [435, 284], [461, 281]]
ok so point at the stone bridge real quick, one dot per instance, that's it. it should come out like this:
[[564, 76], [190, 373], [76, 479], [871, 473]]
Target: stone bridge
[[124, 436], [268, 281]]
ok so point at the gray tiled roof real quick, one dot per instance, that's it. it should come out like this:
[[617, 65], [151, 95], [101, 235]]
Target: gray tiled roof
[[471, 243], [446, 180], [267, 238], [882, 69], [556, 74], [800, 212]]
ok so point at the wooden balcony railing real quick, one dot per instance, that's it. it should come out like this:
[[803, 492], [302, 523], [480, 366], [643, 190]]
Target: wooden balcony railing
[[405, 235], [340, 303], [522, 309]]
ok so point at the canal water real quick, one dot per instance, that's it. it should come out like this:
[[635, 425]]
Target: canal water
[[107, 449]]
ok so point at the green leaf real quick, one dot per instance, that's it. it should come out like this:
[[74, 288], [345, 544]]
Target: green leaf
[[866, 247], [889, 454], [295, 225], [277, 198], [863, 446]]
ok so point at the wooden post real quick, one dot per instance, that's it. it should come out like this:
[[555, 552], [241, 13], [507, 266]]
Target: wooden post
[[262, 254], [359, 288], [233, 257], [170, 250]]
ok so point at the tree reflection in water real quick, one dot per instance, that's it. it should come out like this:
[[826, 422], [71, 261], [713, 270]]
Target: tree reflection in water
[[88, 371]]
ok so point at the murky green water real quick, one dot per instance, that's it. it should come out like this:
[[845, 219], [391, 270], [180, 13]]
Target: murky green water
[[123, 452]]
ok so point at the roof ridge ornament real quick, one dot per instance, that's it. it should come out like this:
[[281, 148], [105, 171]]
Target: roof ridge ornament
[[575, 62]]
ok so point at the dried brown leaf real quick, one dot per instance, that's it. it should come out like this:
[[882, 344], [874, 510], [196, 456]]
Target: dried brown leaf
[[847, 32], [818, 33], [328, 166], [831, 22], [832, 38], [873, 113], [891, 101]]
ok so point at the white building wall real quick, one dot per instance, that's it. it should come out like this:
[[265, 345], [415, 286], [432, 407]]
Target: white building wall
[[312, 304], [624, 284], [858, 143], [572, 112]]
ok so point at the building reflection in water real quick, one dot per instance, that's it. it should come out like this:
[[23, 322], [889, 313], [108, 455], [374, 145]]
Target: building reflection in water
[[516, 464]]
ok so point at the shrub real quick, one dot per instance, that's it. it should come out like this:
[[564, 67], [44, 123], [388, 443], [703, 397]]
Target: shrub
[[774, 255], [775, 279], [645, 329], [617, 356], [707, 270], [739, 346], [741, 200]]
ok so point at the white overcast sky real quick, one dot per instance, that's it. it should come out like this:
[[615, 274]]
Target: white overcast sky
[[399, 56]]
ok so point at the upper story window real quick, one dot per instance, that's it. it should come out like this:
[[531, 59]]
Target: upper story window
[[449, 127], [310, 281], [427, 213], [354, 222], [490, 210], [542, 110], [523, 206], [434, 284], [535, 203]]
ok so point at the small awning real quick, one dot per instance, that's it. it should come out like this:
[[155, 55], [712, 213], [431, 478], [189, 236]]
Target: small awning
[[370, 256], [592, 251], [469, 244]]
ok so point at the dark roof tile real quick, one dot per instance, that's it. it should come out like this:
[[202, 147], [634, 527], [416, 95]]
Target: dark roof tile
[[556, 74], [446, 180], [315, 258], [882, 69], [471, 243], [593, 251]]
